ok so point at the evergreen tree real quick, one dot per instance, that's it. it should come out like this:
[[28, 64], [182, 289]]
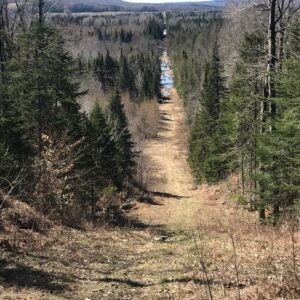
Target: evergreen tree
[[243, 109], [280, 150], [103, 147], [110, 71], [155, 29], [99, 158], [213, 86], [125, 156], [126, 76], [43, 82], [206, 146]]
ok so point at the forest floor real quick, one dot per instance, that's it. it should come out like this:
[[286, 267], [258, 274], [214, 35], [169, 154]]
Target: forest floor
[[190, 243]]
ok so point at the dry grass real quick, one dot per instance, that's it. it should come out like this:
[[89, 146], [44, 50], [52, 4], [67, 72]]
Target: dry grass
[[193, 244]]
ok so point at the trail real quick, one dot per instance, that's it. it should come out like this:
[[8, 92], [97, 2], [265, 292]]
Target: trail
[[162, 257], [169, 175]]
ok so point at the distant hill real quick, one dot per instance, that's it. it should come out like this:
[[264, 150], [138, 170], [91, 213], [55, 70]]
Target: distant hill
[[119, 5]]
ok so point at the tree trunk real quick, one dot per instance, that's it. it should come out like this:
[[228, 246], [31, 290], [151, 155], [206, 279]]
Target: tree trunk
[[268, 107], [1, 39], [271, 66], [282, 43], [41, 12]]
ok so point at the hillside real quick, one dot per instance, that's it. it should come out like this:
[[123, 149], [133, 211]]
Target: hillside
[[119, 5], [189, 243], [149, 155]]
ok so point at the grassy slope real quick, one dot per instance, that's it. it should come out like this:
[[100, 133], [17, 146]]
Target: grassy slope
[[186, 230]]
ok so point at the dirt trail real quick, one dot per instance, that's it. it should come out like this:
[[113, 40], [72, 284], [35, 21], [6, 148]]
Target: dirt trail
[[159, 259], [169, 176]]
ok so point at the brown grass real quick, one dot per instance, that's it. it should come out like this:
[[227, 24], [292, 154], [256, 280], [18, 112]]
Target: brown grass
[[235, 256]]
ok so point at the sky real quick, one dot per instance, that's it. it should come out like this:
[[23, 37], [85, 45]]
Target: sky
[[162, 1]]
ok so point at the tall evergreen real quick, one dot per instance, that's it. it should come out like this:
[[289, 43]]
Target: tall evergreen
[[244, 105], [126, 76], [155, 29], [280, 151], [103, 147], [205, 143], [125, 156], [98, 160], [214, 85], [43, 82]]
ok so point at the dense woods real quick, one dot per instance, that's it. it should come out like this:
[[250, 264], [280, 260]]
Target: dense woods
[[69, 163], [149, 152], [247, 116]]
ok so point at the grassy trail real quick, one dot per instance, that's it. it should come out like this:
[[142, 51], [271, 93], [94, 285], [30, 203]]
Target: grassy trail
[[185, 250]]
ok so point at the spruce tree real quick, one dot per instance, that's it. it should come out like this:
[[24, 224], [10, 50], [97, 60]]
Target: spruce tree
[[99, 157], [103, 147], [206, 146], [125, 156], [279, 150], [126, 76], [43, 82]]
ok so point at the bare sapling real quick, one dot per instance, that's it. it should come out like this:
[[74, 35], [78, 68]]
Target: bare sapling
[[200, 250], [292, 228], [230, 233]]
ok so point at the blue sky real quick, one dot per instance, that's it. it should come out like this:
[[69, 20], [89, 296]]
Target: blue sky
[[162, 1]]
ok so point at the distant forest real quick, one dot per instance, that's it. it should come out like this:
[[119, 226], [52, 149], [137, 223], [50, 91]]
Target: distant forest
[[76, 6]]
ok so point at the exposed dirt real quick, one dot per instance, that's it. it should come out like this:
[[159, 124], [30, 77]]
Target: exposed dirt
[[190, 243]]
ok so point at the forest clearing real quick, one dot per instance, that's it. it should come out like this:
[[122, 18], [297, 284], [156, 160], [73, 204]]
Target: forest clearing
[[189, 243], [149, 151]]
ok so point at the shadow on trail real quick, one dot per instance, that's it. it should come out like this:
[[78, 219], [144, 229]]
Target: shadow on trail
[[137, 284], [21, 276], [167, 195], [125, 221], [210, 282], [129, 282], [148, 200]]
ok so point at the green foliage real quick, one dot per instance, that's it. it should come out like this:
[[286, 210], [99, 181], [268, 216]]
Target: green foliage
[[139, 74], [238, 199], [103, 148], [155, 28], [42, 75], [38, 95], [279, 150], [207, 145], [106, 69], [191, 39], [124, 155]]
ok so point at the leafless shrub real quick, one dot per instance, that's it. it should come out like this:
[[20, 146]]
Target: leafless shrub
[[57, 180], [230, 233], [203, 262]]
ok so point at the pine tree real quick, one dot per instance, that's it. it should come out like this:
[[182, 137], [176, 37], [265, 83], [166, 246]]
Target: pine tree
[[110, 73], [103, 146], [213, 86], [126, 76], [279, 150], [243, 112], [155, 29], [125, 156], [206, 145], [99, 158], [43, 82]]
